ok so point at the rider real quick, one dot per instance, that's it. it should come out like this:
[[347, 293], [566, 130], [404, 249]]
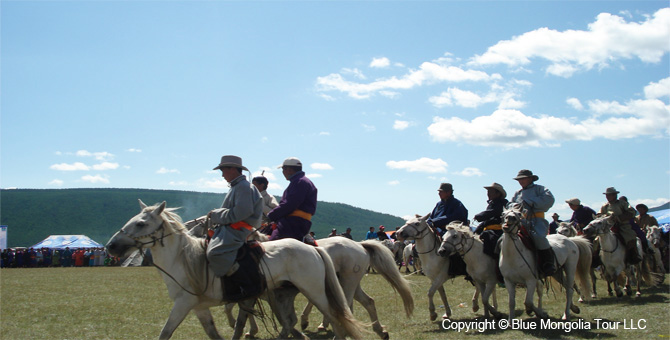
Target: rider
[[297, 205], [447, 210], [622, 213], [269, 202], [537, 200], [581, 216], [239, 214], [490, 226]]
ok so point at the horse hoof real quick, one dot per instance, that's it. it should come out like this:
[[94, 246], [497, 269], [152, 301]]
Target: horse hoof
[[321, 329], [638, 294], [593, 296], [619, 294], [304, 325], [581, 299], [433, 316], [475, 309], [575, 309], [385, 335]]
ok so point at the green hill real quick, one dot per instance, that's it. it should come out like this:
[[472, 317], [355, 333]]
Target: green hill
[[33, 214]]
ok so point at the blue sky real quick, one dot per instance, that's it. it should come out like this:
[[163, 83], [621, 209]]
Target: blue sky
[[382, 101]]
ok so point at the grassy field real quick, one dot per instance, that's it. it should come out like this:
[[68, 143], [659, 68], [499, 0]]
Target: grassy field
[[132, 303]]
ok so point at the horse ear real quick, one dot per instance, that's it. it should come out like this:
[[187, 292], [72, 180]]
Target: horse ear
[[425, 217], [160, 209], [142, 205]]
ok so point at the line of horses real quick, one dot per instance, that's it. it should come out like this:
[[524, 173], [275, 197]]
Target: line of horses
[[329, 276]]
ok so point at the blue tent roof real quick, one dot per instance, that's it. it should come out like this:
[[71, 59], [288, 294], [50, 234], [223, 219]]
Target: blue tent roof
[[662, 216], [72, 241]]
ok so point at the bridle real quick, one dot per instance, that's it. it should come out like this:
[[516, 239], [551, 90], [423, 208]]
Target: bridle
[[420, 236], [155, 240], [462, 244], [603, 230]]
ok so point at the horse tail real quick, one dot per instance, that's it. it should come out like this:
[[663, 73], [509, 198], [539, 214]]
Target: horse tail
[[381, 259], [336, 300], [650, 278], [583, 273]]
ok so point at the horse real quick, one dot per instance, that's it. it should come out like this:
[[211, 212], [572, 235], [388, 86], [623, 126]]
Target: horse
[[518, 264], [613, 255], [408, 256], [181, 259], [459, 239], [350, 259], [396, 248], [568, 229], [656, 243], [434, 266]]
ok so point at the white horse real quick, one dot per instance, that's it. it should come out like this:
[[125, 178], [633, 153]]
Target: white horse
[[193, 286], [568, 229], [459, 239], [655, 241], [613, 255], [434, 266], [518, 264], [407, 256], [350, 259]]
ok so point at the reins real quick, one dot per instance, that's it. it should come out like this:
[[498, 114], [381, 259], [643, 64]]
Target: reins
[[435, 241]]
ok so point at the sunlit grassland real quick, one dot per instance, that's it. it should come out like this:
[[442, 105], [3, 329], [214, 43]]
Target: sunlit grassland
[[132, 303]]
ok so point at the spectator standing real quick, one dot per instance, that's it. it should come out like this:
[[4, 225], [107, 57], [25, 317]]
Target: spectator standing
[[347, 234], [381, 234], [371, 235]]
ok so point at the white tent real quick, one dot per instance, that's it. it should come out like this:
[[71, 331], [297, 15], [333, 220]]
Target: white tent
[[71, 241]]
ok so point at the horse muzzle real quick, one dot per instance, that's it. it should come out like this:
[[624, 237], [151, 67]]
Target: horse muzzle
[[120, 245], [444, 251]]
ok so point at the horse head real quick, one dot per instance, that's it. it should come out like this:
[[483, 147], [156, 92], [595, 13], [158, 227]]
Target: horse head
[[566, 229], [144, 230], [512, 217], [600, 225], [414, 228], [454, 239], [654, 235]]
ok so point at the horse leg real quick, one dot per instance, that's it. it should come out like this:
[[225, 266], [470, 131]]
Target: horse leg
[[638, 293], [593, 283], [489, 288], [475, 301], [242, 316], [284, 309], [177, 315], [207, 322], [533, 286], [304, 317], [569, 291], [228, 310], [511, 301], [443, 295], [369, 305]]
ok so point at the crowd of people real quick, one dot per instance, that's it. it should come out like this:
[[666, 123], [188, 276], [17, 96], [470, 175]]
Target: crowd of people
[[48, 257]]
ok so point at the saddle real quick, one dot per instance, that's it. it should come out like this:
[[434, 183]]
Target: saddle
[[247, 281]]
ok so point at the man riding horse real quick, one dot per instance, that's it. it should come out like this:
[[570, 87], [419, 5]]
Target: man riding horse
[[537, 200], [622, 213], [238, 216]]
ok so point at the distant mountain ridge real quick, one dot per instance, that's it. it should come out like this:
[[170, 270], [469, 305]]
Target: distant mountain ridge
[[33, 214]]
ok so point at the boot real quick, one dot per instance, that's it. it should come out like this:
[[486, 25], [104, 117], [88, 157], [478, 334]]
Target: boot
[[631, 252], [547, 266]]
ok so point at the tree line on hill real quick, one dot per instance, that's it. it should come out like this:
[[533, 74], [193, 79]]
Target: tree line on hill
[[33, 214]]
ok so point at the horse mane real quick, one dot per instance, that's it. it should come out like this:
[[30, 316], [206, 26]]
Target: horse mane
[[193, 248], [460, 227]]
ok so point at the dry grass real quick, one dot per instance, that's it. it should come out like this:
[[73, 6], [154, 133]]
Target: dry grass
[[132, 303]]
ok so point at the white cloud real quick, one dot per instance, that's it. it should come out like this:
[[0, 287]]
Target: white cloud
[[134, 150], [265, 172], [213, 183], [658, 90], [428, 73], [575, 103], [56, 182], [167, 171], [77, 166], [470, 172], [100, 156], [394, 182], [512, 128], [382, 62], [369, 128], [354, 72], [178, 183], [607, 39], [422, 164], [401, 125], [95, 179], [324, 133], [105, 166], [321, 166], [313, 175]]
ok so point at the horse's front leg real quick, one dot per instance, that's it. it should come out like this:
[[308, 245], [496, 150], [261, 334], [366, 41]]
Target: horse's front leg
[[228, 310], [511, 300], [443, 295], [431, 305], [475, 300], [369, 305], [177, 315], [242, 316], [304, 317], [593, 283], [207, 322], [533, 286]]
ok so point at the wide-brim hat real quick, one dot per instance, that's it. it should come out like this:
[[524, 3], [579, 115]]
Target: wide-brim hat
[[498, 187], [611, 190], [231, 161], [573, 201], [526, 174]]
